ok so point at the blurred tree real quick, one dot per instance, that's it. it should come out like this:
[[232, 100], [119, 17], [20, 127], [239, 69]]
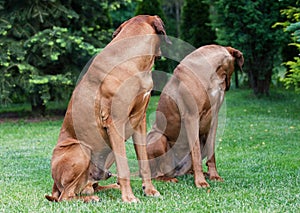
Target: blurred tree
[[153, 7], [247, 25], [123, 11], [292, 26], [172, 10], [195, 23], [45, 44]]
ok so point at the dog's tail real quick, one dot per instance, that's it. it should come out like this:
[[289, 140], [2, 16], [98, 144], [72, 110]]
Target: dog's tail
[[51, 198]]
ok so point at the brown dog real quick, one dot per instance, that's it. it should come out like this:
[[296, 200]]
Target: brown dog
[[74, 173], [187, 115], [107, 107]]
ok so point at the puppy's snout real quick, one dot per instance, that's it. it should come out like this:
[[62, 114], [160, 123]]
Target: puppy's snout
[[158, 57], [109, 174]]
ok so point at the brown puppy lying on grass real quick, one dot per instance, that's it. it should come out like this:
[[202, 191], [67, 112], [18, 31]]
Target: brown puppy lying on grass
[[187, 115], [75, 174]]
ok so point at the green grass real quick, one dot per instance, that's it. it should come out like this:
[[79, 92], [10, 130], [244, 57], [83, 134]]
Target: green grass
[[258, 155]]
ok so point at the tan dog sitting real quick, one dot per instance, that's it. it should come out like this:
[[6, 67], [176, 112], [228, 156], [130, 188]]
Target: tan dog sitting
[[186, 122], [107, 107]]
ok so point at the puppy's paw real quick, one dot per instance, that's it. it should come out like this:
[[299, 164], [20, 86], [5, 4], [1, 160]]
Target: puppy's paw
[[51, 198], [88, 190], [93, 198], [167, 179], [110, 186], [115, 186]]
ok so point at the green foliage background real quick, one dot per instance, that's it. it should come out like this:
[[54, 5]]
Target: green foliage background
[[45, 44], [247, 26], [292, 26], [195, 25]]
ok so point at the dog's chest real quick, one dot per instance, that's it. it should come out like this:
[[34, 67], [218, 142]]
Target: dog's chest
[[215, 92], [138, 108]]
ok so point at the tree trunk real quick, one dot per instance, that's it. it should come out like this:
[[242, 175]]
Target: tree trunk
[[260, 86], [37, 105], [178, 8]]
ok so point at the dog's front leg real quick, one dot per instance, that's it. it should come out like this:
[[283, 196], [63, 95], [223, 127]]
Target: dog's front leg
[[191, 124], [139, 138], [189, 110], [210, 146], [117, 140]]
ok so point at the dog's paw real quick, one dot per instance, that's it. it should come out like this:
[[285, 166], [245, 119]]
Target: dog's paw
[[214, 177], [51, 198], [115, 186], [172, 180], [201, 184], [130, 199], [167, 179], [110, 186], [88, 190], [93, 198], [152, 192]]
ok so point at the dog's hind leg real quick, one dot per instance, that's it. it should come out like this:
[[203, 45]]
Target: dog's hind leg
[[161, 161], [156, 148], [55, 194], [72, 191], [139, 138], [98, 188]]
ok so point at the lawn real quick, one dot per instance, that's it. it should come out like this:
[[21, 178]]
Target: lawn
[[258, 155]]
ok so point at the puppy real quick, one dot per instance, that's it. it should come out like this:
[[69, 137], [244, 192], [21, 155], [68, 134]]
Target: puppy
[[74, 173]]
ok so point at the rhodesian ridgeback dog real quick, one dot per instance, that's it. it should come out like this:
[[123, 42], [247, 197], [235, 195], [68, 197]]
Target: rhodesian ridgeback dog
[[74, 173], [186, 122], [106, 108]]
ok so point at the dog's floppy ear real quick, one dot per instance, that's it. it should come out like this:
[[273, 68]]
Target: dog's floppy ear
[[239, 58], [160, 28]]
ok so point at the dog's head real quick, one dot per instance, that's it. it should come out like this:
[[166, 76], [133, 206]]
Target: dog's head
[[143, 25], [154, 21], [227, 68]]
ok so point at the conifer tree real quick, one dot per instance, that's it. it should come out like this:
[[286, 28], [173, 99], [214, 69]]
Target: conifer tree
[[195, 23], [152, 7]]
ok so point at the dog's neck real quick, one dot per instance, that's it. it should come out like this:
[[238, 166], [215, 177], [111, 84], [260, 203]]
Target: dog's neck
[[144, 63], [138, 49]]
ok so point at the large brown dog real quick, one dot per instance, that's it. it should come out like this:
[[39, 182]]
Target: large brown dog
[[187, 115], [107, 107]]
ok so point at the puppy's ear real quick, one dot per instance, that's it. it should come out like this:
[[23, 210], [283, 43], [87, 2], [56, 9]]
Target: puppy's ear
[[239, 58], [160, 28]]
